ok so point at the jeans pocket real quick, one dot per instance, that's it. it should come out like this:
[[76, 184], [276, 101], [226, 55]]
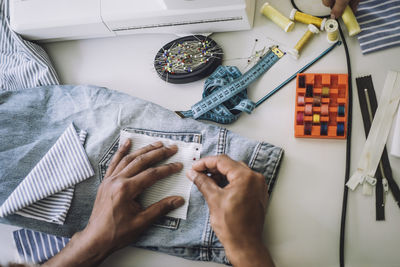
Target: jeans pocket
[[189, 137]]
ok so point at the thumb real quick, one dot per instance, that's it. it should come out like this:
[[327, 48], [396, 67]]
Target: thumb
[[161, 208], [206, 185]]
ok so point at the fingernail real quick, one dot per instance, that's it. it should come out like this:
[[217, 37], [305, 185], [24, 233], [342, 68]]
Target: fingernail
[[127, 143], [173, 147], [333, 16], [177, 202], [158, 144], [191, 174]]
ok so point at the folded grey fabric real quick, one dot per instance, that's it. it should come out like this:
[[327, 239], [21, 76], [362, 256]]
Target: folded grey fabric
[[37, 118]]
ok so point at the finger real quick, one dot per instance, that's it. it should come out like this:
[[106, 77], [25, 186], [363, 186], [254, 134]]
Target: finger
[[223, 164], [328, 3], [121, 152], [151, 175], [161, 208], [354, 5], [129, 158], [205, 184], [338, 8], [146, 160]]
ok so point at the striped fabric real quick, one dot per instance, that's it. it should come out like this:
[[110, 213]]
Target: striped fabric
[[46, 193], [23, 64], [380, 24], [37, 247]]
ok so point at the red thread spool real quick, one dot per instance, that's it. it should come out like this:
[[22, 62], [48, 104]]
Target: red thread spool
[[300, 118], [307, 128]]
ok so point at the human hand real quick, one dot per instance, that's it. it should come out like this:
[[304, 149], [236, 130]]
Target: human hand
[[338, 6], [237, 211], [117, 218]]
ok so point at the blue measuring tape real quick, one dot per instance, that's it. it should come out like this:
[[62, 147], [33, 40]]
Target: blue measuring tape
[[225, 95]]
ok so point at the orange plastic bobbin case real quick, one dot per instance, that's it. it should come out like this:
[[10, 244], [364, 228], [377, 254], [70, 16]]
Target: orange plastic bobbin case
[[323, 113]]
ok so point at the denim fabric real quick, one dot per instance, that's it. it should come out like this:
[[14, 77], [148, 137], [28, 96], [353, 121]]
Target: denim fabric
[[37, 117]]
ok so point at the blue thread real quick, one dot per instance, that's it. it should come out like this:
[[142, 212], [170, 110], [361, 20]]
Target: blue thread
[[341, 111], [324, 128], [340, 129]]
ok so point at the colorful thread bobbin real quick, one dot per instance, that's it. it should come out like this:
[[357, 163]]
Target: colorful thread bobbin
[[300, 118], [301, 100], [325, 91], [317, 101], [307, 128], [277, 17], [309, 90], [308, 109], [325, 110], [316, 118], [350, 21], [332, 30], [295, 52], [324, 128], [307, 19], [340, 129], [341, 111]]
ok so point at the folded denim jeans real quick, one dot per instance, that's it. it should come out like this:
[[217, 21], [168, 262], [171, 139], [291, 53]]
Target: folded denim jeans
[[32, 120]]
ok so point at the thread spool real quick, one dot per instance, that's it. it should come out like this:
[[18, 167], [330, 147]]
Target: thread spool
[[316, 118], [325, 110], [307, 19], [340, 111], [301, 100], [300, 118], [340, 129], [332, 30], [325, 91], [302, 81], [324, 128], [317, 101], [307, 128], [350, 21], [295, 52], [277, 17], [308, 109], [309, 90]]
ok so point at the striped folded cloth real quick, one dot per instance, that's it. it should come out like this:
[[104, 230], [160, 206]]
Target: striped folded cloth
[[380, 24], [46, 192]]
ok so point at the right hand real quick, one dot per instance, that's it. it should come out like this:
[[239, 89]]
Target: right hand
[[338, 6], [237, 211]]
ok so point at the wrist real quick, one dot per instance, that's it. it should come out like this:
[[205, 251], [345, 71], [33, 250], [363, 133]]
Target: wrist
[[254, 255]]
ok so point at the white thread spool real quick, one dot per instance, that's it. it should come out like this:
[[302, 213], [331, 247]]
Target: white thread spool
[[295, 52], [332, 30], [277, 17]]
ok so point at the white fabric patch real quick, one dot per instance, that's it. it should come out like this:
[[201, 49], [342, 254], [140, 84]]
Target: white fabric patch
[[174, 185]]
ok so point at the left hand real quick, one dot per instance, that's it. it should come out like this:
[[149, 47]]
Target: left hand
[[117, 218]]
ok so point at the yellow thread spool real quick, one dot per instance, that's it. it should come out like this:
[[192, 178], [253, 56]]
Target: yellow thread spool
[[316, 118], [277, 17], [307, 19], [332, 30], [325, 91], [295, 52], [351, 22]]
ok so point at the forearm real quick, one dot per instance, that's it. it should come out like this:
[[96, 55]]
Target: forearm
[[78, 252]]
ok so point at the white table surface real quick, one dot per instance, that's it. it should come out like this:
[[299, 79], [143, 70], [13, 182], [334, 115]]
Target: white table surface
[[303, 218]]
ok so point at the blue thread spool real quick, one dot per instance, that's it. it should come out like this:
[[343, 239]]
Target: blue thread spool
[[340, 111], [324, 128], [340, 129]]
